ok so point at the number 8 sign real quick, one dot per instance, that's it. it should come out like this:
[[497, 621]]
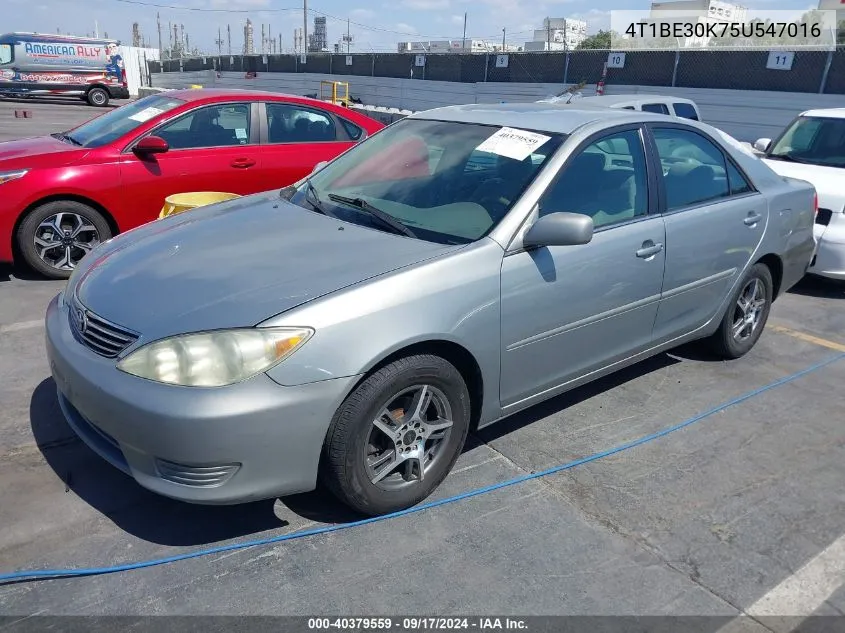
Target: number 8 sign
[[616, 60]]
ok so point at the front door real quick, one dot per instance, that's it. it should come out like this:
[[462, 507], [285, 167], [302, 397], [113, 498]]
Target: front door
[[714, 223], [212, 148], [570, 310]]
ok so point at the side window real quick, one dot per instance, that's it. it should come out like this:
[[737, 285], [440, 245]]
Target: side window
[[659, 108], [213, 126], [737, 181], [607, 181], [354, 132], [685, 110], [294, 124], [5, 53], [694, 169]]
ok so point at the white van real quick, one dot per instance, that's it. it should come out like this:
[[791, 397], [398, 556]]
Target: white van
[[58, 65]]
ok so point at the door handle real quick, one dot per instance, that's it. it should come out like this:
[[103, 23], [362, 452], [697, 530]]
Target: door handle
[[243, 163], [752, 219], [649, 249]]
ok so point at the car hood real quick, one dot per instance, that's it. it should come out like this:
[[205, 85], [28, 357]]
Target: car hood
[[25, 152], [233, 264], [826, 180]]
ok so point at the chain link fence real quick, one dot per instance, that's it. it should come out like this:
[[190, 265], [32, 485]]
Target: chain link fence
[[810, 71]]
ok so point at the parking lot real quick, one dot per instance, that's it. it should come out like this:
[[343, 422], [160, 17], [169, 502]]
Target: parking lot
[[739, 509]]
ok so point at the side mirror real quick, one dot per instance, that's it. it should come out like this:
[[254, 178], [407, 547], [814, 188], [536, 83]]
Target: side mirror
[[560, 229], [151, 145], [762, 144], [319, 166]]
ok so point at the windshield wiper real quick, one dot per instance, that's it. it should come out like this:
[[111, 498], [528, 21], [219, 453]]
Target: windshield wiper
[[314, 201], [789, 159], [66, 138], [385, 218]]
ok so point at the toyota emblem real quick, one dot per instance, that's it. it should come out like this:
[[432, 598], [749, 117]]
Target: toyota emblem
[[81, 320]]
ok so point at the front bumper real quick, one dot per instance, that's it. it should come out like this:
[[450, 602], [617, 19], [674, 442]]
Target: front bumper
[[829, 260], [249, 441]]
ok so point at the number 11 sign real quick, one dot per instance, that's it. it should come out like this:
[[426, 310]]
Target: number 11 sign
[[780, 60]]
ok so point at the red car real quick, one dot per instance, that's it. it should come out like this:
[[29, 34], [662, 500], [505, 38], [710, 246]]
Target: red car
[[61, 195]]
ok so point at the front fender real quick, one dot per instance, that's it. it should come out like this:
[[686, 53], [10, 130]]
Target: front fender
[[454, 299]]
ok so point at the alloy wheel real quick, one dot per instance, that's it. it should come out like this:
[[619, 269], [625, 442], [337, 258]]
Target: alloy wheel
[[407, 437], [749, 310], [63, 239]]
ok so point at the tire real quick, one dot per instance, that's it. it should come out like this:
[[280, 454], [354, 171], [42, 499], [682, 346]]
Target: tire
[[724, 343], [353, 443], [82, 227], [98, 97]]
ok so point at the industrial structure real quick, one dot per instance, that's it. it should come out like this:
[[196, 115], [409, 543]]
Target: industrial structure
[[318, 41], [558, 34], [249, 44]]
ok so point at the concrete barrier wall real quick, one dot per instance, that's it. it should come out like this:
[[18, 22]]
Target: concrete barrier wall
[[747, 115]]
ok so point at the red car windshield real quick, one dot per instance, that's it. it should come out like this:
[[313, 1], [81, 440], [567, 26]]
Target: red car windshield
[[120, 121]]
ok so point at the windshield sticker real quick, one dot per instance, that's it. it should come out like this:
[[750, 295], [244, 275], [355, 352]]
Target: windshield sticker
[[240, 133], [146, 114], [513, 143]]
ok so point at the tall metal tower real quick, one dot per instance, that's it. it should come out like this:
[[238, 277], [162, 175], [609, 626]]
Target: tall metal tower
[[229, 37], [219, 42], [158, 26], [136, 35], [249, 45]]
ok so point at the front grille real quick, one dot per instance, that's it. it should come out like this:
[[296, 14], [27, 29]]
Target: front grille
[[196, 476], [823, 216], [102, 337]]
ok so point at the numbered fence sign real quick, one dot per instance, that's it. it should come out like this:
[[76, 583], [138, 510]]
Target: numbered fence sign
[[264, 59], [501, 61], [780, 60], [616, 60], [420, 61], [302, 58], [349, 60]]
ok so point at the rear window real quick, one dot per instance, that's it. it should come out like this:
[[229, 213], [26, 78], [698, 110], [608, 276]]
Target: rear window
[[685, 110], [659, 108]]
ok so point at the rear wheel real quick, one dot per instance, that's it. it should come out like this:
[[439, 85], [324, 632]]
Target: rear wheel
[[54, 237], [98, 97], [746, 315], [396, 437]]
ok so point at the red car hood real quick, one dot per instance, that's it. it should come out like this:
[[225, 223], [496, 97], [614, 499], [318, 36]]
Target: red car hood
[[28, 152]]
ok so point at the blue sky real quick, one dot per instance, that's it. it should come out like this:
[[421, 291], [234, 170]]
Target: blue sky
[[380, 23]]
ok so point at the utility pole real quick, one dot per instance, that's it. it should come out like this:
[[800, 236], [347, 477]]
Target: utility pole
[[229, 37], [464, 43], [304, 26], [263, 38], [280, 43], [548, 34], [158, 25], [269, 38], [504, 36], [187, 44], [219, 42]]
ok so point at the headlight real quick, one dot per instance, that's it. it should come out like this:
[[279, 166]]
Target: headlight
[[6, 176], [214, 359]]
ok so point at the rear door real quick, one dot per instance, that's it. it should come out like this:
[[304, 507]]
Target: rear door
[[212, 148], [294, 138], [714, 222]]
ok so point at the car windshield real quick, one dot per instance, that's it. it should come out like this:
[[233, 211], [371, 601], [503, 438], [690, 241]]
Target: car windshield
[[814, 140], [112, 125], [440, 181]]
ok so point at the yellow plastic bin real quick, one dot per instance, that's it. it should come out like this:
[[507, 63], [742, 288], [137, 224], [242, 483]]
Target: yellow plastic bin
[[179, 202]]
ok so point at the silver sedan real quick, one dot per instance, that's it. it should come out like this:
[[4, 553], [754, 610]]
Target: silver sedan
[[461, 265]]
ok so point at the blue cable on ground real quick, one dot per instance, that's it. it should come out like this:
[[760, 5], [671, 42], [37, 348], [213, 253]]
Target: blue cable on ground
[[30, 575]]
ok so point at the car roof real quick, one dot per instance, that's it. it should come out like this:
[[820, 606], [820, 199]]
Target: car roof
[[611, 100], [546, 117], [827, 113], [212, 94]]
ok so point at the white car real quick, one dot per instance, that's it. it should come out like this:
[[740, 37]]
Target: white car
[[812, 148], [659, 104]]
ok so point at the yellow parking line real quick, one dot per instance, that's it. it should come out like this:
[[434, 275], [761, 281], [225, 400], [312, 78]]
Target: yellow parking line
[[839, 347]]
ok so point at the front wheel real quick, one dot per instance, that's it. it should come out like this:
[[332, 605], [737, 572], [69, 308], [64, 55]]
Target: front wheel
[[54, 237], [746, 315], [397, 436], [98, 97]]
